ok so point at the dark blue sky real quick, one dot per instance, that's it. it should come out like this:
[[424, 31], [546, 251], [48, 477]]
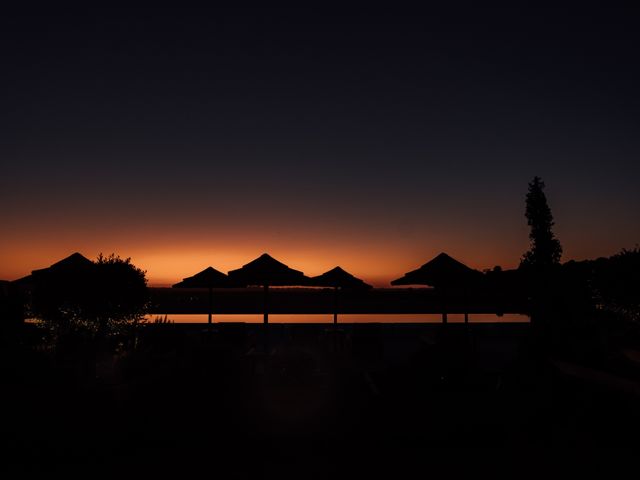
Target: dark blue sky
[[369, 138]]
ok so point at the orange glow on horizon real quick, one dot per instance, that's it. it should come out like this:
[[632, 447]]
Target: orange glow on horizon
[[169, 265], [376, 258]]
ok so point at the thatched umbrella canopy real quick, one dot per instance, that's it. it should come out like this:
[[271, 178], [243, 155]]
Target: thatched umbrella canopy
[[338, 279], [267, 271], [73, 272], [69, 266], [208, 278], [71, 279], [443, 273]]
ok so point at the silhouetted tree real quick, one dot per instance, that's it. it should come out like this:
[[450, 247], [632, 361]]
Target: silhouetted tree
[[616, 282], [97, 299], [545, 249], [121, 293]]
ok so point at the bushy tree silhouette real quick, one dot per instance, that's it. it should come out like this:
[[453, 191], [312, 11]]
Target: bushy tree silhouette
[[97, 298], [545, 249], [617, 284], [121, 292]]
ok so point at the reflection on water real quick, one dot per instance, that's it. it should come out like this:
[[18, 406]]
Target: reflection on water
[[346, 318]]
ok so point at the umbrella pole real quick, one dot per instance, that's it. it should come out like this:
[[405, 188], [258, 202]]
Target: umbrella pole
[[444, 307], [266, 304], [265, 331], [466, 306], [210, 305]]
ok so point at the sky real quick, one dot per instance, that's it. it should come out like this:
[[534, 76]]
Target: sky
[[370, 139]]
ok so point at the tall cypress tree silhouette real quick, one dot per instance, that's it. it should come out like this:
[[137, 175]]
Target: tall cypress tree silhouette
[[545, 249]]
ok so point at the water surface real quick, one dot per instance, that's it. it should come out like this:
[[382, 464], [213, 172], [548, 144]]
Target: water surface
[[345, 318]]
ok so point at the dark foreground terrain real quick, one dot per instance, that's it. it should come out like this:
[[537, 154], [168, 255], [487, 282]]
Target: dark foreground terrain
[[310, 401]]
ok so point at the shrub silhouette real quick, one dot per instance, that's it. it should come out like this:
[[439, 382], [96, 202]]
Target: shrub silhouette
[[616, 283], [96, 299]]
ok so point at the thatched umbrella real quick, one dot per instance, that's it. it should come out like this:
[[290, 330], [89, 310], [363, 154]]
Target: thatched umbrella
[[267, 271], [69, 266], [72, 272], [443, 273], [208, 278], [338, 279], [73, 267], [70, 280]]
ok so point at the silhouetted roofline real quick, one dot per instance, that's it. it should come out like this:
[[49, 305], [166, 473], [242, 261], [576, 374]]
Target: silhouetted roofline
[[442, 269], [207, 278], [266, 270], [338, 277]]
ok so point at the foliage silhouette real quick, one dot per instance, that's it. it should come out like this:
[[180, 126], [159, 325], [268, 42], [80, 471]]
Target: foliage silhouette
[[121, 290], [545, 249], [616, 284], [91, 298]]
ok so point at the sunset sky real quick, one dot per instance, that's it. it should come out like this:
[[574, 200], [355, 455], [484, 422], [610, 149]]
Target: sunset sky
[[368, 139]]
